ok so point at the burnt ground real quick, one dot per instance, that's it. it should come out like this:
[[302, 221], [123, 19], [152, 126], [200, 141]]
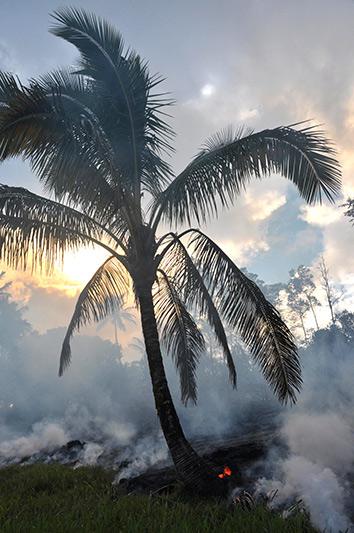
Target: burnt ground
[[244, 453], [241, 454]]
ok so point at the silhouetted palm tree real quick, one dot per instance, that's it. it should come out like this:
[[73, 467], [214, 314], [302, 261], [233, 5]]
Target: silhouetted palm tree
[[96, 137], [119, 320]]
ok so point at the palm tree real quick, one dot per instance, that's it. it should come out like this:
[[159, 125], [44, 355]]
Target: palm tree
[[119, 321], [97, 137]]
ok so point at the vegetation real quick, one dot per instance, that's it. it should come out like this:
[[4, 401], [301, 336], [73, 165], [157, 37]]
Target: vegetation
[[12, 324], [57, 499], [97, 138]]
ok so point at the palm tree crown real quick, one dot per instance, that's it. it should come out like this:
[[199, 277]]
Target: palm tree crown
[[97, 137]]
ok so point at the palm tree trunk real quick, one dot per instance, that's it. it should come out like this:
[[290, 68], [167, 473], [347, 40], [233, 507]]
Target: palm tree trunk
[[191, 468]]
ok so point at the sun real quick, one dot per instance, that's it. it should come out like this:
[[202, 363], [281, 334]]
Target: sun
[[207, 90], [79, 267], [69, 277]]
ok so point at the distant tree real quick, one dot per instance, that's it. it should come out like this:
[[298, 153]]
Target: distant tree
[[119, 320], [97, 137], [302, 282], [349, 209], [296, 302], [137, 344], [301, 298], [332, 294], [271, 291], [346, 321], [4, 287], [12, 324], [298, 308]]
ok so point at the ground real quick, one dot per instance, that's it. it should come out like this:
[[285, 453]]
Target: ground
[[56, 498]]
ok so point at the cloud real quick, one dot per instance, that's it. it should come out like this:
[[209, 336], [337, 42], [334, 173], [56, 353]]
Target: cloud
[[266, 84], [320, 215], [7, 62], [242, 231], [242, 251], [338, 245], [270, 75], [262, 205], [303, 240]]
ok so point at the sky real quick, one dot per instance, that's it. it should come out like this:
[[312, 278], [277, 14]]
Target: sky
[[254, 62]]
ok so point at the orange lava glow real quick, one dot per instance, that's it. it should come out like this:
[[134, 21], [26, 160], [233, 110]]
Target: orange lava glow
[[227, 472]]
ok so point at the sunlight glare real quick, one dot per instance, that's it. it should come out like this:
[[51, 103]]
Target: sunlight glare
[[79, 266], [207, 90]]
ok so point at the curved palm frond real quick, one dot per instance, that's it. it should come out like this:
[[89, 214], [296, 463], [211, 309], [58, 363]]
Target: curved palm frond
[[52, 124], [243, 306], [102, 296], [36, 230], [133, 114], [224, 167], [179, 265], [179, 334], [27, 115], [9, 87]]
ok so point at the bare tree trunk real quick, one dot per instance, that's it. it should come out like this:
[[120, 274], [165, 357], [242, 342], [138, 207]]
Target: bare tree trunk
[[191, 468], [303, 327], [327, 288], [313, 311]]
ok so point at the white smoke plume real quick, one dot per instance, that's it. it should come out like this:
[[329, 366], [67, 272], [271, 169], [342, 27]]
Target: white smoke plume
[[318, 466], [321, 453], [43, 437], [147, 453], [91, 453], [107, 405]]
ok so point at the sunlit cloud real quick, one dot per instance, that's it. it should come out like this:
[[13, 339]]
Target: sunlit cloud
[[247, 114], [70, 277], [80, 266], [262, 207], [243, 251], [320, 215]]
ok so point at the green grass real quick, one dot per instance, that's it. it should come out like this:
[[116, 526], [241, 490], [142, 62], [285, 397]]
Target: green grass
[[56, 498]]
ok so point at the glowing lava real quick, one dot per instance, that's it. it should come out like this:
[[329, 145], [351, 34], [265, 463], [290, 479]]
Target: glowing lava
[[226, 472]]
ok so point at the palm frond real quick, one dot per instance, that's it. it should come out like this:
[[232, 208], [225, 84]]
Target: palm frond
[[23, 120], [53, 123], [179, 334], [243, 306], [224, 167], [180, 266], [133, 114], [102, 296], [100, 45], [35, 230], [9, 87]]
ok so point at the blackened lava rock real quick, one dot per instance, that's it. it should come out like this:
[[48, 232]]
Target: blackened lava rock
[[74, 444]]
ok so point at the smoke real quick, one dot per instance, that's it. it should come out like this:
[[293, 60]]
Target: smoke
[[318, 487], [91, 453], [318, 465], [106, 404], [324, 439], [43, 437], [148, 452]]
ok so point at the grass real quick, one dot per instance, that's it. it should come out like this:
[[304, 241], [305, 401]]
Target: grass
[[55, 498]]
